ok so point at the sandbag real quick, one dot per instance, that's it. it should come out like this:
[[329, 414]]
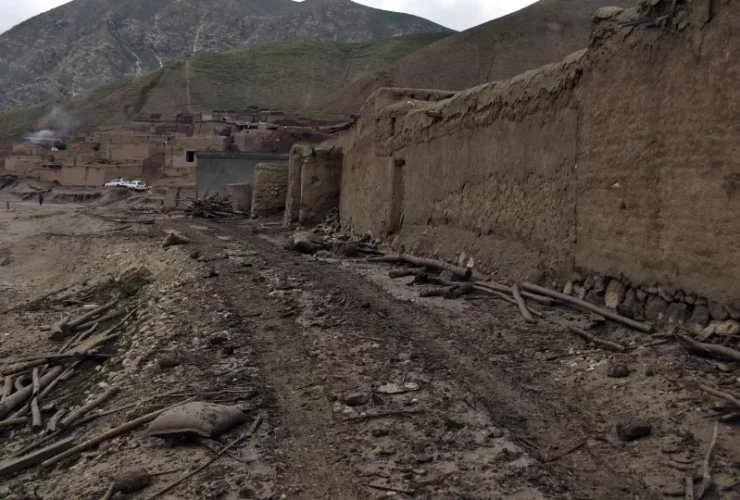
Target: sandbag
[[196, 419]]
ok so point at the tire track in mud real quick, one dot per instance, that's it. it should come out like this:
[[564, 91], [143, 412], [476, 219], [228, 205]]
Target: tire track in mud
[[447, 450]]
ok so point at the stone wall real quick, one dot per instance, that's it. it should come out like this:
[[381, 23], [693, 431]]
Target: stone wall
[[621, 161], [270, 189], [321, 182], [85, 175]]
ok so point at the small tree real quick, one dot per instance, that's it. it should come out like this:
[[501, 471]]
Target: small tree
[[61, 146], [96, 147]]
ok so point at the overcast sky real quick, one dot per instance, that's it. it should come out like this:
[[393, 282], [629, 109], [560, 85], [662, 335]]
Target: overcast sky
[[456, 14]]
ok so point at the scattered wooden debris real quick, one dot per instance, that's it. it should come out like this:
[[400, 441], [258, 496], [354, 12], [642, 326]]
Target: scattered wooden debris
[[522, 305], [642, 327], [596, 340], [463, 273], [706, 479], [213, 207], [723, 351]]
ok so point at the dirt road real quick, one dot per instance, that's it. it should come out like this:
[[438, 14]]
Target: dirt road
[[369, 391]]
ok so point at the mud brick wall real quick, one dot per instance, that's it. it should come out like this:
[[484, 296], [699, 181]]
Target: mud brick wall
[[321, 182], [270, 189], [622, 161], [295, 168], [659, 155], [494, 159]]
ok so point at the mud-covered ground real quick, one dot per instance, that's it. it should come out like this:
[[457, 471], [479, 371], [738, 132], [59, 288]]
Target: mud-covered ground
[[367, 390]]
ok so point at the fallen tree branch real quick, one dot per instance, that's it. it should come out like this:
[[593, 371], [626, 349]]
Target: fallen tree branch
[[722, 395], [642, 327], [505, 298], [711, 348], [365, 418], [255, 425], [434, 292], [72, 325], [689, 487], [507, 290], [459, 272], [522, 305], [402, 273], [15, 400], [109, 492], [35, 411], [116, 431], [389, 489], [13, 421], [75, 415], [7, 387], [706, 479], [596, 340], [112, 315]]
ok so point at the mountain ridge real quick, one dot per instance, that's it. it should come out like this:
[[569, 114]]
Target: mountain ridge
[[86, 43]]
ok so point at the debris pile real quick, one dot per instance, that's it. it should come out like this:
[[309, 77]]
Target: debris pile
[[213, 207]]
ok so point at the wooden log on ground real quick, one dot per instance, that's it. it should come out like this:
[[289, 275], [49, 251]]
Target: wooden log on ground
[[726, 352], [731, 398], [35, 411], [642, 327], [434, 292], [112, 315], [458, 291], [20, 397], [7, 387], [504, 297], [47, 390], [596, 340], [402, 273], [116, 431], [706, 479], [522, 305], [507, 290], [72, 325], [83, 410], [57, 332], [459, 272], [13, 421], [61, 359], [16, 465]]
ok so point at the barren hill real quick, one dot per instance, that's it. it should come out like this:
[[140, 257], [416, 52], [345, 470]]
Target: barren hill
[[86, 43], [540, 34], [285, 75]]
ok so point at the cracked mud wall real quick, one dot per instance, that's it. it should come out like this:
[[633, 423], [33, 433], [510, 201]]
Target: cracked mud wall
[[621, 160]]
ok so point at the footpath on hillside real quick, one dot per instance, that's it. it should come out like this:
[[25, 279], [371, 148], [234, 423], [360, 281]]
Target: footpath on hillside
[[324, 376]]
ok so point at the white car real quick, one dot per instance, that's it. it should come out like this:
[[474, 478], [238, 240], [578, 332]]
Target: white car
[[137, 185], [115, 183]]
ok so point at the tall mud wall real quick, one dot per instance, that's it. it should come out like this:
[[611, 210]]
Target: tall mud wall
[[621, 160]]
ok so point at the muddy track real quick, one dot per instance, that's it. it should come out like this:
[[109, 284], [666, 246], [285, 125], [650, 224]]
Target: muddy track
[[479, 372]]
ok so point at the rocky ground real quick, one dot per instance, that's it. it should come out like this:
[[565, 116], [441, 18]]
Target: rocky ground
[[365, 389]]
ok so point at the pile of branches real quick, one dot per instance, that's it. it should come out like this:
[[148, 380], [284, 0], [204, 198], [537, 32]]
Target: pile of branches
[[213, 207], [27, 382]]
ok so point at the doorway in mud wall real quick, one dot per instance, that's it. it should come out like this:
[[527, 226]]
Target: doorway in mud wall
[[398, 189]]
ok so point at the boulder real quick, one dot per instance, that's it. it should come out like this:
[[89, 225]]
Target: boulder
[[174, 238], [655, 308], [734, 309], [599, 283], [718, 311], [132, 480], [677, 313], [699, 319], [631, 431], [595, 297], [617, 370], [615, 293], [631, 307], [724, 328]]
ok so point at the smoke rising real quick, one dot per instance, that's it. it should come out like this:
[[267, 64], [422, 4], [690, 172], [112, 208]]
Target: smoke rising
[[58, 123]]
